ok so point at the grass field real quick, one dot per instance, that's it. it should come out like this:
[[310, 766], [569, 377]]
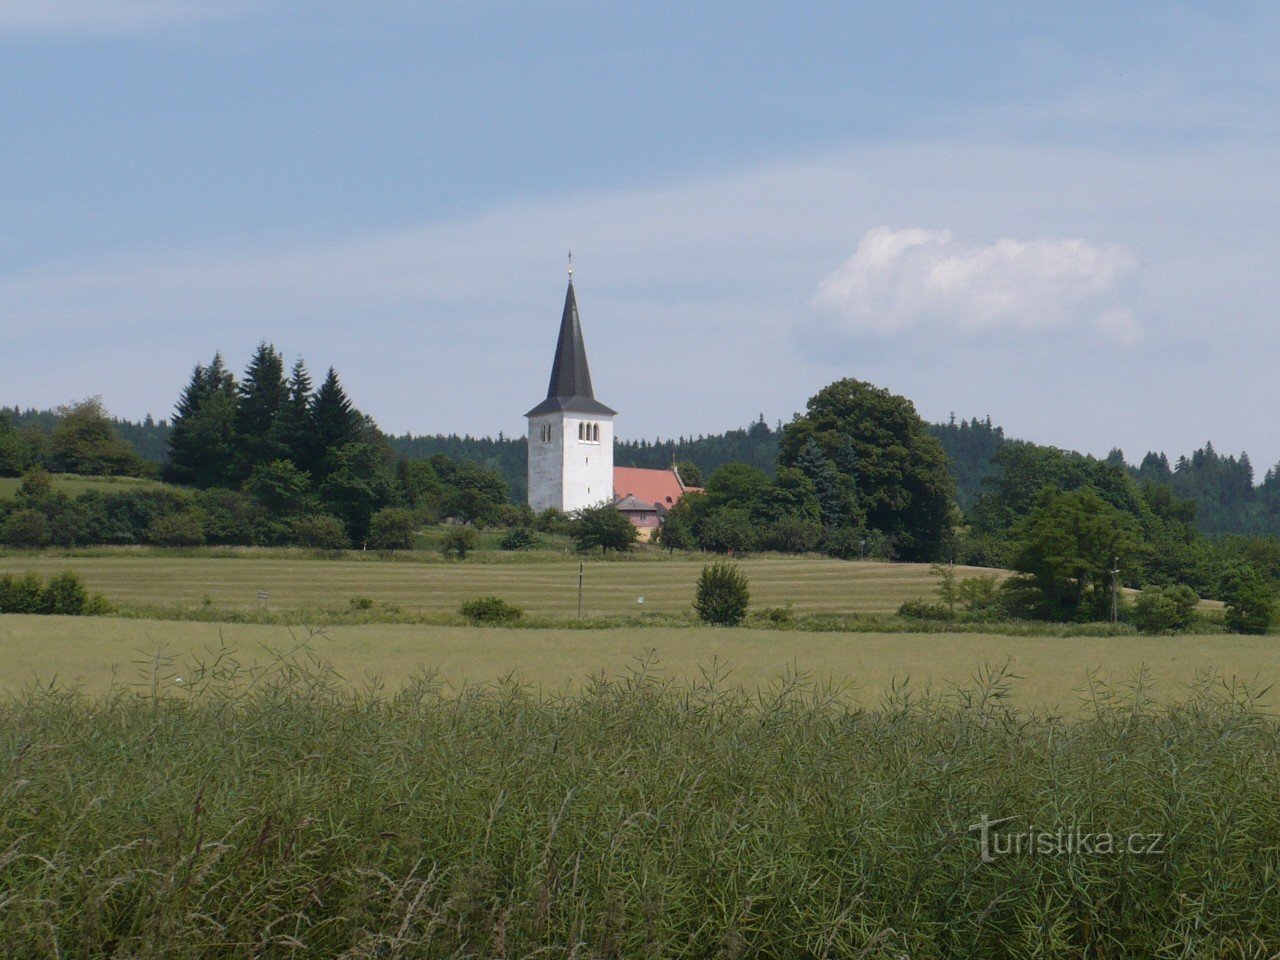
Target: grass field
[[73, 485], [93, 651], [549, 587]]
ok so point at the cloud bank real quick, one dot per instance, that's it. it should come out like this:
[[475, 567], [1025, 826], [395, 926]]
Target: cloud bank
[[916, 280]]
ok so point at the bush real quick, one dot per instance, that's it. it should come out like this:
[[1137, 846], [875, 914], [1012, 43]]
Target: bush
[[792, 535], [392, 529], [776, 616], [723, 596], [1250, 601], [552, 520], [185, 529], [21, 594], [361, 603], [319, 531], [511, 515], [25, 528], [63, 595], [490, 610], [728, 530], [924, 610], [980, 596], [1163, 609], [458, 542], [520, 538]]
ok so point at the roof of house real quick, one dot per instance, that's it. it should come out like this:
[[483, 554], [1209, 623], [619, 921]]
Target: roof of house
[[570, 387], [631, 503], [660, 487]]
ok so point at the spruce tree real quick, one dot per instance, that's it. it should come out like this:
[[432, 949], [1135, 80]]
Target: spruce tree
[[202, 444], [261, 396], [335, 422], [292, 428]]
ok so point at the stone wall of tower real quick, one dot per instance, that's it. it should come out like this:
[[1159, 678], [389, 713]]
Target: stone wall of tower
[[567, 472]]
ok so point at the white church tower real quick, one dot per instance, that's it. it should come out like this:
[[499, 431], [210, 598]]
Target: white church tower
[[570, 432]]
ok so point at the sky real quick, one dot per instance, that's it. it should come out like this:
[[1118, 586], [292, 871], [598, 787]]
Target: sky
[[1063, 216]]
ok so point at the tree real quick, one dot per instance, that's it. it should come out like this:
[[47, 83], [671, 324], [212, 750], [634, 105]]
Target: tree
[[292, 428], [281, 487], [472, 493], [1064, 552], [18, 450], [722, 596], [319, 531], [1162, 609], [690, 473], [1250, 599], [603, 527], [84, 441], [335, 424], [884, 453], [261, 397], [728, 530], [675, 533], [392, 529], [359, 484], [458, 542], [202, 443]]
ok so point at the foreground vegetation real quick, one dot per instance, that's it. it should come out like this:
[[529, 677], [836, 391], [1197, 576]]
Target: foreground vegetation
[[279, 813]]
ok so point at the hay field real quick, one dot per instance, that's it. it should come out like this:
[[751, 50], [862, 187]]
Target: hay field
[[813, 585], [73, 485], [1054, 670]]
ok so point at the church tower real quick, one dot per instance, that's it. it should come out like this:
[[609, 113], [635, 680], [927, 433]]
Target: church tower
[[570, 432]]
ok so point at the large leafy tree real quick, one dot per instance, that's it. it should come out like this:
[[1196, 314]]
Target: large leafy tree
[[203, 442], [883, 454], [84, 440], [358, 485], [261, 396], [1064, 551]]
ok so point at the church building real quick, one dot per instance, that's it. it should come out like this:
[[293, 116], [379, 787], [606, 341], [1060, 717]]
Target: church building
[[571, 442]]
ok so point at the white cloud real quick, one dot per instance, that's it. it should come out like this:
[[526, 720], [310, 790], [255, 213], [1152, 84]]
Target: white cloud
[[104, 16], [913, 279]]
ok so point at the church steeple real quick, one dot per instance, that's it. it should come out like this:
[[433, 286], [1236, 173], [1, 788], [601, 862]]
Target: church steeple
[[570, 386]]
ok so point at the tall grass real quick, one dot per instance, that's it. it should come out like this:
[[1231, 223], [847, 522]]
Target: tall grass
[[281, 813]]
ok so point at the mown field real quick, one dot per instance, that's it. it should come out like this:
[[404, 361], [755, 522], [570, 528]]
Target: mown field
[[292, 579], [1054, 671], [73, 485]]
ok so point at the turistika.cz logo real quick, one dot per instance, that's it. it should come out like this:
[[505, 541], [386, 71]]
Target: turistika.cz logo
[[995, 842]]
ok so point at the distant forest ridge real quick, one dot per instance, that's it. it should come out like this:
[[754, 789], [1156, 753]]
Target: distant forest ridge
[[1224, 488]]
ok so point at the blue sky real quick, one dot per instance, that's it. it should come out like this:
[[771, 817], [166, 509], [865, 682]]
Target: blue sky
[[1063, 216]]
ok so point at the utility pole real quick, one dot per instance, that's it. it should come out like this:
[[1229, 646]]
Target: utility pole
[[580, 567], [1115, 589]]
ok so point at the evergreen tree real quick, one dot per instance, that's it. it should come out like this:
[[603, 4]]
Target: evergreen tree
[[202, 443], [335, 423], [262, 395], [292, 429]]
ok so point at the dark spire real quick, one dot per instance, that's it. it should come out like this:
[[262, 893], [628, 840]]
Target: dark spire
[[570, 386]]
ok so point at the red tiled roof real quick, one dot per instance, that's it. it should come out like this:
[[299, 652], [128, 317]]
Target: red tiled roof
[[660, 487]]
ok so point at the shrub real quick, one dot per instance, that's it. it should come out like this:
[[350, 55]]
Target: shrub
[[490, 610], [722, 596], [1250, 601], [776, 616], [728, 531], [458, 542], [552, 520], [520, 538], [792, 535], [924, 610], [25, 528], [980, 596], [65, 595], [511, 515], [319, 531], [21, 594], [1162, 609], [361, 603], [185, 529], [392, 529]]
